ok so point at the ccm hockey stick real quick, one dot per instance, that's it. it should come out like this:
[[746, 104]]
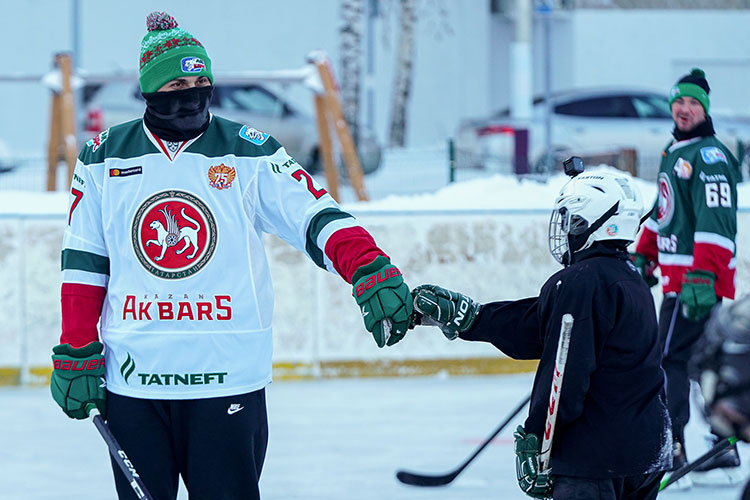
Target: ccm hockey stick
[[688, 468], [122, 460], [417, 479], [554, 394]]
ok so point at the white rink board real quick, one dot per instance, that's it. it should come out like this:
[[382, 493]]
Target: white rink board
[[490, 255]]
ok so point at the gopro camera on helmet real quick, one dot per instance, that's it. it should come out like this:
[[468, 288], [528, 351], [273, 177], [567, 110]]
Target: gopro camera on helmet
[[573, 166]]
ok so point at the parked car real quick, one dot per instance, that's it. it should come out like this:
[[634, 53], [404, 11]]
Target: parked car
[[587, 121], [7, 162], [107, 104]]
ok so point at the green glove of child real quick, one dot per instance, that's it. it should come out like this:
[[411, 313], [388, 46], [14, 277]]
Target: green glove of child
[[78, 379], [384, 300], [698, 296], [532, 481], [451, 311], [645, 268]]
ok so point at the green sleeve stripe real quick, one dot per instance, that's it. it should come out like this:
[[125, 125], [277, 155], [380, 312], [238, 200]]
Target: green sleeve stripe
[[85, 261], [318, 222]]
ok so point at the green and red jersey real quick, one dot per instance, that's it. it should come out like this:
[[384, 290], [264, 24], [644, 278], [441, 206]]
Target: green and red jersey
[[694, 221]]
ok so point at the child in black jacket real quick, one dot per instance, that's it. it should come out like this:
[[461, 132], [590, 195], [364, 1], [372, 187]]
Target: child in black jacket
[[612, 438]]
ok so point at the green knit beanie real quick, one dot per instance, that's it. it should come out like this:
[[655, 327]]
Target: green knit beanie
[[169, 52], [692, 85]]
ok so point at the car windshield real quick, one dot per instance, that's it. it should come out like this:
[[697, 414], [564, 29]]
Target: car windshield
[[651, 106], [251, 98]]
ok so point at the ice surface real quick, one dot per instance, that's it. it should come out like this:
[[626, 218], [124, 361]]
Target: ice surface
[[329, 440]]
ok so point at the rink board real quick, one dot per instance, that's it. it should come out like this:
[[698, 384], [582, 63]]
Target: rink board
[[318, 331]]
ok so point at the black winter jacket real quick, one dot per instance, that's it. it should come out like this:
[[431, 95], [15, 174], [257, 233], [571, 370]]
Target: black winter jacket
[[612, 419]]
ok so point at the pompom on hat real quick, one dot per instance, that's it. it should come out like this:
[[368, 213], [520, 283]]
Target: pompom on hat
[[692, 85], [169, 52]]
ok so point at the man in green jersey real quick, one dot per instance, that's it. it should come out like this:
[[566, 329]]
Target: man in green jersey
[[691, 236]]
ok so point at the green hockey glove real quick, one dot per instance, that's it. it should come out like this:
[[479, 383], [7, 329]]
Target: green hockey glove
[[645, 268], [384, 300], [533, 482], [452, 312], [698, 296], [78, 379]]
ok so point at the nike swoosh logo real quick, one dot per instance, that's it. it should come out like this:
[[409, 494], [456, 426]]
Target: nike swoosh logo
[[232, 411]]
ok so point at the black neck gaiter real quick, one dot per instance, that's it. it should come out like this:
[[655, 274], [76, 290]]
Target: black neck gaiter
[[703, 129], [178, 115]]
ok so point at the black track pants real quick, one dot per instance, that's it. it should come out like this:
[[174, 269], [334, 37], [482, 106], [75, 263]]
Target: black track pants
[[677, 335], [642, 487], [217, 445]]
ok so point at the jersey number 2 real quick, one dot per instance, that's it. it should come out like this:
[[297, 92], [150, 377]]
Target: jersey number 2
[[299, 174]]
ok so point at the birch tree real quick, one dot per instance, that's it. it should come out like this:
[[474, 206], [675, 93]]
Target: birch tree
[[402, 74], [351, 61]]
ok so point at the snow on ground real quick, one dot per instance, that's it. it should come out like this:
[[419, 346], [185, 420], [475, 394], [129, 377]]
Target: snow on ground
[[408, 180], [341, 439]]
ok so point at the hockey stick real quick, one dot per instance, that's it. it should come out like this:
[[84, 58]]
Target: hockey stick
[[122, 460], [688, 468], [554, 395], [417, 479]]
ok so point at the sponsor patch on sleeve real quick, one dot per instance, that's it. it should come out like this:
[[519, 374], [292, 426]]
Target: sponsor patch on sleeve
[[97, 141], [255, 136], [712, 154], [683, 169]]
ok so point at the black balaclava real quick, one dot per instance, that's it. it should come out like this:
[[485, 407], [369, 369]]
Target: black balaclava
[[179, 115]]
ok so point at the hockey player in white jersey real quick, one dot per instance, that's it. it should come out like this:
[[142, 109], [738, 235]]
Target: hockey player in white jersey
[[166, 291]]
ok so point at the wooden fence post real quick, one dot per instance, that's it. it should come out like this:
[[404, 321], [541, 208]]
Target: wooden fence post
[[326, 147], [348, 149], [62, 136]]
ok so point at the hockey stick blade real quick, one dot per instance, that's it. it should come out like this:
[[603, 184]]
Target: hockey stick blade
[[688, 468], [419, 479]]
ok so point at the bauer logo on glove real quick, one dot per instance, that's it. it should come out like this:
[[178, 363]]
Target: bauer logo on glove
[[380, 277], [384, 300]]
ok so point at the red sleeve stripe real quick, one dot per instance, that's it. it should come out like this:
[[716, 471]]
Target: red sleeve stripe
[[714, 239], [326, 233], [710, 257], [350, 248], [81, 308], [647, 243]]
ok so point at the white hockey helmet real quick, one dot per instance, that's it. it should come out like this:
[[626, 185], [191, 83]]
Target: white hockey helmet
[[594, 206]]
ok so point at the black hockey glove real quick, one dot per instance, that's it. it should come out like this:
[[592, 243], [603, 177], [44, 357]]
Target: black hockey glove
[[531, 480], [452, 312]]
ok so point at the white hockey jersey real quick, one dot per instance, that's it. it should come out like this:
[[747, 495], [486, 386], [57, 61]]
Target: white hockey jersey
[[173, 232]]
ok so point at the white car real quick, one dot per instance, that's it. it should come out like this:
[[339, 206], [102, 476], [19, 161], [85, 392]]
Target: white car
[[586, 122], [108, 103], [7, 163]]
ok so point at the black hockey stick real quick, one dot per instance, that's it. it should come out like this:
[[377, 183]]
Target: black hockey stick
[[417, 479], [688, 468], [122, 460]]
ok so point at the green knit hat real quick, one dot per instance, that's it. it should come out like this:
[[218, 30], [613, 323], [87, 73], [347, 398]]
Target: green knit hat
[[169, 52], [692, 85]]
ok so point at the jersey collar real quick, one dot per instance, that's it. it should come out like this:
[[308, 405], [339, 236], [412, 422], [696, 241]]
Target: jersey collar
[[682, 144], [170, 149]]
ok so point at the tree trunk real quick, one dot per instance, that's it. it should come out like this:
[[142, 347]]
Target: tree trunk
[[403, 74], [351, 61]]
